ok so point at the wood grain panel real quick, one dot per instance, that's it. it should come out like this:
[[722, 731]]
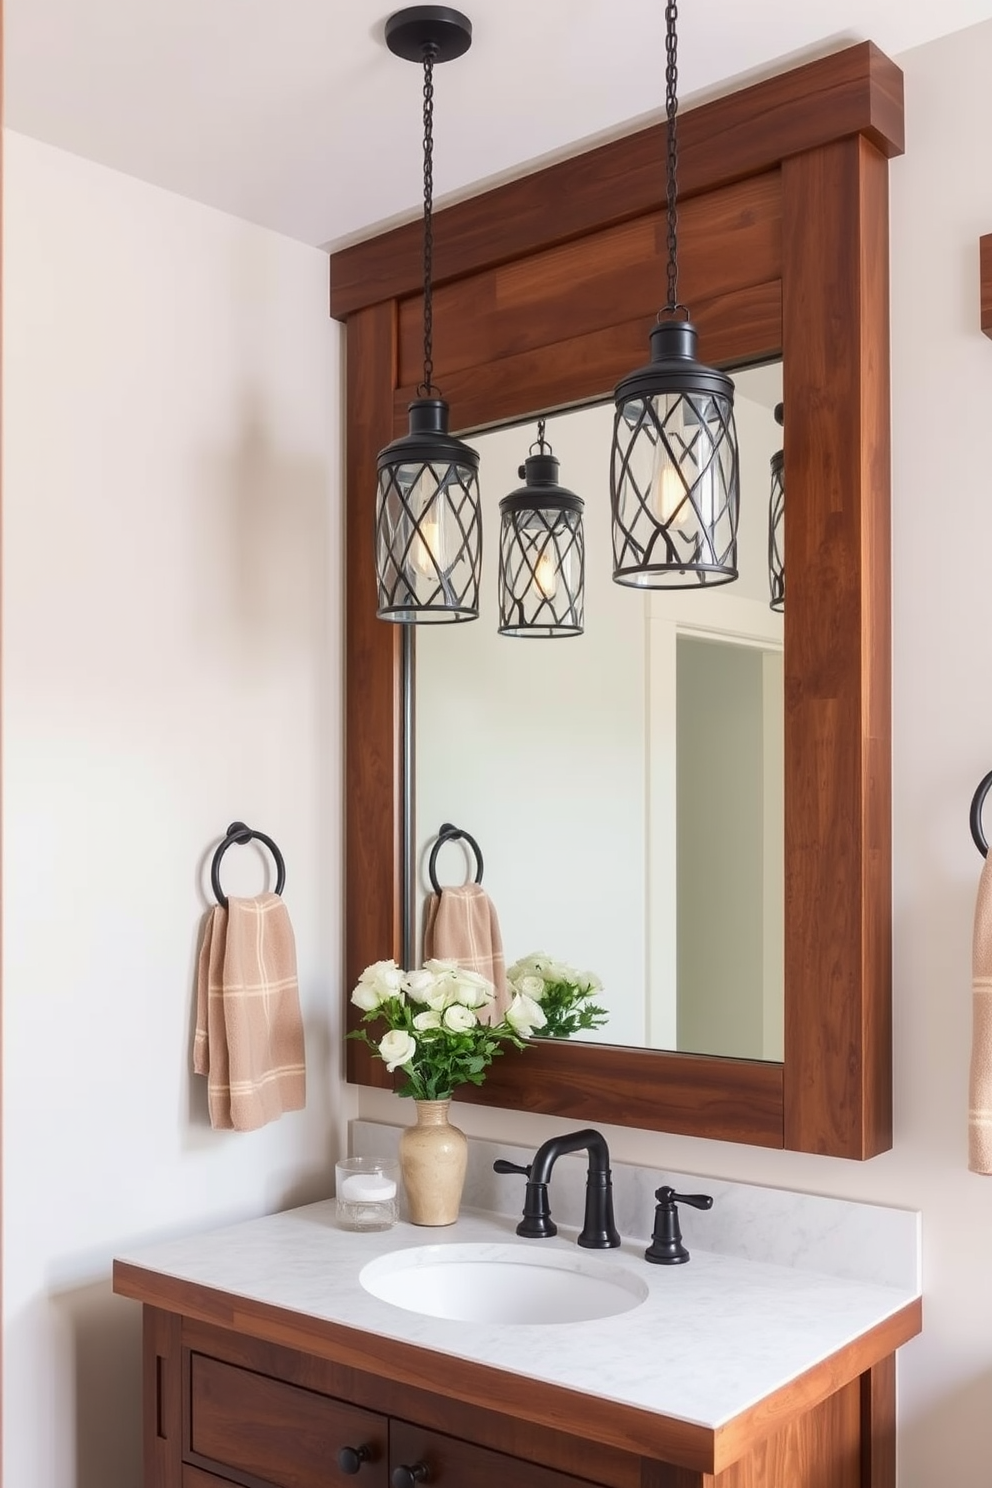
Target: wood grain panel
[[744, 326], [878, 1425], [243, 1421], [821, 1449], [728, 240], [373, 911], [161, 1355], [546, 1445], [857, 90], [736, 1100], [985, 272], [838, 735]]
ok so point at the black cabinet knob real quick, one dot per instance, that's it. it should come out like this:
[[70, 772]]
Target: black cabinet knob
[[409, 1477], [350, 1459]]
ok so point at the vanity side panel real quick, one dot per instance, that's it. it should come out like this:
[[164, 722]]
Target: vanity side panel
[[822, 1449], [837, 725], [878, 1425], [161, 1351]]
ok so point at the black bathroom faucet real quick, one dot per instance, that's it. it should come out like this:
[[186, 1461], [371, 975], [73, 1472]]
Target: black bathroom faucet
[[598, 1230]]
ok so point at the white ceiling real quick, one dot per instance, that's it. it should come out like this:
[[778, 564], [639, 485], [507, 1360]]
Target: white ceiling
[[293, 114]]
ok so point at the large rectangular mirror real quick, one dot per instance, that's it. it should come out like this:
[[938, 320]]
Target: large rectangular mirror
[[546, 289]]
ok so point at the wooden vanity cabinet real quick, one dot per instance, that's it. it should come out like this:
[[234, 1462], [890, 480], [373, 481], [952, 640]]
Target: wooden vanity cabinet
[[223, 1405]]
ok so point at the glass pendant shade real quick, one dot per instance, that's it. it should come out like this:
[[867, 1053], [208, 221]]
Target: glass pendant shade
[[675, 486], [776, 527], [428, 525], [541, 555]]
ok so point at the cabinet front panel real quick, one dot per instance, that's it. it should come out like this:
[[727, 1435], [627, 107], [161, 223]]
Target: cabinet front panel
[[280, 1434]]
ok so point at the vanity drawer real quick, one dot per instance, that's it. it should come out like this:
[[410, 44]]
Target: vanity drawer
[[280, 1434], [451, 1463]]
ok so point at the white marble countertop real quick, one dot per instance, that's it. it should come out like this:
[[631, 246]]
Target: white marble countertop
[[712, 1338]]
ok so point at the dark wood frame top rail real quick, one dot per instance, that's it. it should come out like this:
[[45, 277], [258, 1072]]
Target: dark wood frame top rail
[[545, 291]]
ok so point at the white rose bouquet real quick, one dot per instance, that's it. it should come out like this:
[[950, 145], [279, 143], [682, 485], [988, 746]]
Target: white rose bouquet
[[435, 1036], [559, 993]]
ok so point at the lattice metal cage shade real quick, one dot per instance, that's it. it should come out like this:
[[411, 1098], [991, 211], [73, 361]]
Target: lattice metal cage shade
[[776, 533], [675, 486], [428, 524], [541, 556]]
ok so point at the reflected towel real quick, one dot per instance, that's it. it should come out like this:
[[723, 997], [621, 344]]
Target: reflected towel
[[249, 1032], [980, 1087], [460, 925]]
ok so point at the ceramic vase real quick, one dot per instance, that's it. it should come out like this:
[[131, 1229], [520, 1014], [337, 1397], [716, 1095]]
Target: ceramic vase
[[433, 1157]]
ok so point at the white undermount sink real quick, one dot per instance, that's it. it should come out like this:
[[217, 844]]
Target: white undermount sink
[[496, 1283]]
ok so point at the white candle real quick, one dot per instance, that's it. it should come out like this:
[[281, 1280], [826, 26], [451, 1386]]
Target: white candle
[[367, 1188]]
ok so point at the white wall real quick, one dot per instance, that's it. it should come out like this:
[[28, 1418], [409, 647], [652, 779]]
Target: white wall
[[942, 547], [172, 660]]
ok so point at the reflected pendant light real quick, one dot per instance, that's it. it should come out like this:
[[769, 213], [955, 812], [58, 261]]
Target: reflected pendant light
[[674, 483], [776, 525], [542, 558], [428, 525]]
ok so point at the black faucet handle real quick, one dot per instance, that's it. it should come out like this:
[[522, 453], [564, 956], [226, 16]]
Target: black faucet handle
[[698, 1201], [666, 1248], [502, 1166]]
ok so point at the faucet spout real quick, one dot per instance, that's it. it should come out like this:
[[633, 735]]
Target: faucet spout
[[599, 1231]]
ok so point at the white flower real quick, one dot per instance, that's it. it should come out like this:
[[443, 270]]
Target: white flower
[[396, 1048], [459, 1019], [417, 984], [524, 1015], [377, 983], [426, 1020], [473, 990], [588, 983], [531, 985]]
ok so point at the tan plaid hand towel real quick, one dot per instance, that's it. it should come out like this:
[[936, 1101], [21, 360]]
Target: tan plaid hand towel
[[980, 1092], [249, 1033], [460, 925]]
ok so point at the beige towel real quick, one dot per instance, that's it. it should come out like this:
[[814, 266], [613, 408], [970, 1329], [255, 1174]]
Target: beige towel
[[460, 925], [980, 1091], [249, 1033]]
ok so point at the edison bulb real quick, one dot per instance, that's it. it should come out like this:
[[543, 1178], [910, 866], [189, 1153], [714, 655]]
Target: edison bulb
[[667, 490], [546, 575]]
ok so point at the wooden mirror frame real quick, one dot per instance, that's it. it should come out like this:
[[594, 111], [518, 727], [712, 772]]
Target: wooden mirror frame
[[545, 291]]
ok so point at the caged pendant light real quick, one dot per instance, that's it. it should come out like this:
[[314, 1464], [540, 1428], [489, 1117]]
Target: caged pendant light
[[428, 526], [776, 525], [542, 557], [674, 483]]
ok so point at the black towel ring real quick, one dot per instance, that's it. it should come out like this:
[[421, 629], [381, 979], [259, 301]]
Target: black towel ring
[[977, 802], [448, 833], [238, 832]]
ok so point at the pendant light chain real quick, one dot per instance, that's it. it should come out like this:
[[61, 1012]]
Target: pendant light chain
[[671, 109], [427, 386]]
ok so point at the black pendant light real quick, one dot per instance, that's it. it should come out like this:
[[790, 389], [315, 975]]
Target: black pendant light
[[674, 485], [542, 560], [776, 525], [428, 527]]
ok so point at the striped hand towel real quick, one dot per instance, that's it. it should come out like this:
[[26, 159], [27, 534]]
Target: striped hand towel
[[460, 925], [249, 1032], [980, 1091]]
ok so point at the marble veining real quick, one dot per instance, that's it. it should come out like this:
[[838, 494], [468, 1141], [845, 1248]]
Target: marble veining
[[743, 1327]]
